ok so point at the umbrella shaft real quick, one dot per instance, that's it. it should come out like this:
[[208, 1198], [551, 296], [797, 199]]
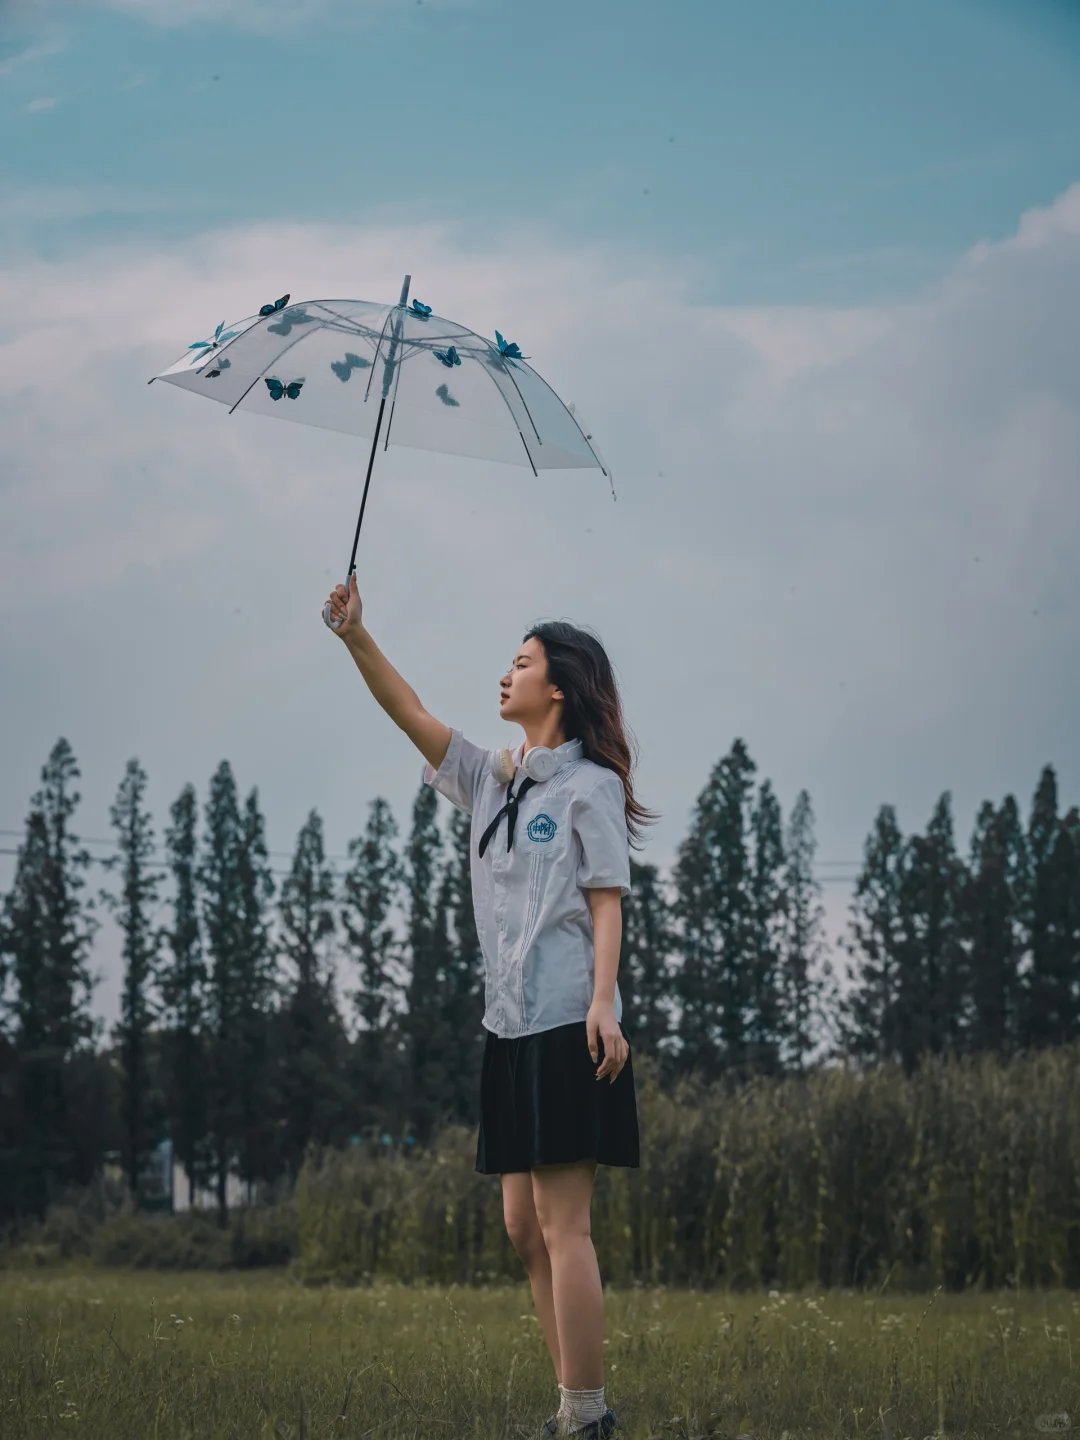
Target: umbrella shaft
[[389, 369], [367, 482]]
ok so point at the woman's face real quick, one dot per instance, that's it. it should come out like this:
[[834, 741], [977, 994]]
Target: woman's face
[[525, 692]]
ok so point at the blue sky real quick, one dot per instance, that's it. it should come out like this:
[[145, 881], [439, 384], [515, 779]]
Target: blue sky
[[812, 272], [781, 152]]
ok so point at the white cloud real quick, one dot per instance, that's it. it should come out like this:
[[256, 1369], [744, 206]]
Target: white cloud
[[43, 102], [269, 16], [858, 513], [38, 204], [43, 49]]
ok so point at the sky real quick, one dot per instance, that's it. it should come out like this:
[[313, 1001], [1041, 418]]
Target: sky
[[812, 273]]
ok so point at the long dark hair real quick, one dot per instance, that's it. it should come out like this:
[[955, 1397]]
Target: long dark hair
[[578, 665]]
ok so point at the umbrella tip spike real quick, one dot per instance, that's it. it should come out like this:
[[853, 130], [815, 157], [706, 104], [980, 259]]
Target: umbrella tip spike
[[405, 290]]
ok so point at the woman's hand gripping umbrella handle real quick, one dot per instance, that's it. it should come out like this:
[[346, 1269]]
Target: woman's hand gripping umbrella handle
[[344, 609]]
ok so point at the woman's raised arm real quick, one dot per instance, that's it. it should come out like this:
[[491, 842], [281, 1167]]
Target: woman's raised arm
[[400, 701]]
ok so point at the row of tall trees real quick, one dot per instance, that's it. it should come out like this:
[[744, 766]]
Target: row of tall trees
[[729, 970], [261, 1012]]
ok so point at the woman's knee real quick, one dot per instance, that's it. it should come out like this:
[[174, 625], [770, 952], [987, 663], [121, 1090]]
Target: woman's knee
[[562, 1202], [522, 1227], [560, 1223]]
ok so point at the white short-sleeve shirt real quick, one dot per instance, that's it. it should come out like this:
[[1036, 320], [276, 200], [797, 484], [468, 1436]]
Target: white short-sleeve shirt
[[532, 916]]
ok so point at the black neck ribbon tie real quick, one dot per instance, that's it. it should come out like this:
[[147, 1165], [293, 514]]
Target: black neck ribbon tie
[[510, 810]]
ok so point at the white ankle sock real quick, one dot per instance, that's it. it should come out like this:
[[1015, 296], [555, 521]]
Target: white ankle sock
[[578, 1407]]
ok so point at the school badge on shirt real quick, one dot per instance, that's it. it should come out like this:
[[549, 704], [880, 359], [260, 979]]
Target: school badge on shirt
[[541, 828]]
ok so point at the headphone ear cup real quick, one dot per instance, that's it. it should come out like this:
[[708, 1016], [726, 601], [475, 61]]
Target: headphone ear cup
[[502, 766], [541, 763]]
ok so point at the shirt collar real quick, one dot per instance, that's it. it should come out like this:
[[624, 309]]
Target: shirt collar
[[567, 751]]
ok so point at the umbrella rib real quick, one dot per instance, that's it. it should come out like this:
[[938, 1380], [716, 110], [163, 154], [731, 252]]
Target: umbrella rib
[[592, 452], [513, 417], [509, 407], [528, 412], [375, 357], [261, 373], [532, 462]]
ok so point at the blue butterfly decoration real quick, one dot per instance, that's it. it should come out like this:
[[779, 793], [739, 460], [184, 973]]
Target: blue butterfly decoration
[[201, 346], [296, 316], [508, 349], [420, 309], [449, 357], [344, 368], [274, 305], [278, 389], [444, 395], [213, 374]]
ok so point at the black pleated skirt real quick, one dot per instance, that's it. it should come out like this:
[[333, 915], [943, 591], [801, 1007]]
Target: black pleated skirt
[[541, 1104]]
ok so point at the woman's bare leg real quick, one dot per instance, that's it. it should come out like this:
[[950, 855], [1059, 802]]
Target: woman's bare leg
[[562, 1197], [527, 1238]]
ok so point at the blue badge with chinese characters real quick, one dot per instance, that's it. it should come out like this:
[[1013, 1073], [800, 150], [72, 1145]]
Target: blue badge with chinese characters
[[541, 828]]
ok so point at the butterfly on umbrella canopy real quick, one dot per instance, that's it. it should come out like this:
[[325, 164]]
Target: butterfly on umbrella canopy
[[213, 374], [508, 349], [449, 357], [343, 368], [420, 310], [203, 348], [278, 388], [273, 305], [443, 392]]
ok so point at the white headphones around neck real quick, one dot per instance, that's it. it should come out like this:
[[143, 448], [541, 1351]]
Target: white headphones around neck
[[539, 764]]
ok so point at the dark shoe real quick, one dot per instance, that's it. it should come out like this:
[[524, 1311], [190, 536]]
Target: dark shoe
[[595, 1430]]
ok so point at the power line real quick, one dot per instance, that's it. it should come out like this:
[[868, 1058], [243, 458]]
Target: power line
[[344, 859], [98, 840], [163, 865]]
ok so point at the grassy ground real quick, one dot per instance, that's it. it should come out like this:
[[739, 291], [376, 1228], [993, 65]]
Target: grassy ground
[[119, 1355]]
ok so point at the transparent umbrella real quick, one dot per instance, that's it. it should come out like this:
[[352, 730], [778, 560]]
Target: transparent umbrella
[[391, 373]]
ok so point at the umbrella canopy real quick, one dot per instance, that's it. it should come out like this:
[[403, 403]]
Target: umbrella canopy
[[362, 368]]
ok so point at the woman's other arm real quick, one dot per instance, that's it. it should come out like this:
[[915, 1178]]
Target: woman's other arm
[[396, 696], [606, 906]]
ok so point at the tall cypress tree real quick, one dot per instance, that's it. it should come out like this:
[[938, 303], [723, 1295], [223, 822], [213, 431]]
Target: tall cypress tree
[[46, 934], [933, 977], [463, 979], [427, 921], [645, 978], [714, 906], [871, 1011], [183, 986], [805, 969], [310, 1091], [1051, 1010], [994, 901], [133, 908], [219, 876], [1070, 858], [257, 973], [765, 1020], [369, 897]]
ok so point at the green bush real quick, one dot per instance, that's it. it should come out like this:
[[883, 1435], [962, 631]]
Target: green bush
[[966, 1173], [259, 1236]]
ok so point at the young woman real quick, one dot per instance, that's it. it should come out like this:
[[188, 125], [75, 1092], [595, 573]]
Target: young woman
[[551, 828]]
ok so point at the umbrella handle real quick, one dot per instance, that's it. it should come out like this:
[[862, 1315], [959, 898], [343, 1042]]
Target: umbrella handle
[[330, 625]]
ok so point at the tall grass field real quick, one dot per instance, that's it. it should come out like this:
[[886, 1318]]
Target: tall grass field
[[129, 1356]]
